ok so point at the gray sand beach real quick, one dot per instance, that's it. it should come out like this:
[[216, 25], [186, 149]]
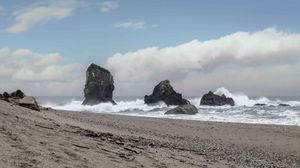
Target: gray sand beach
[[52, 138]]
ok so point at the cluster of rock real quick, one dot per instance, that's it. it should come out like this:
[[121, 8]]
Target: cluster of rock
[[19, 98], [99, 88]]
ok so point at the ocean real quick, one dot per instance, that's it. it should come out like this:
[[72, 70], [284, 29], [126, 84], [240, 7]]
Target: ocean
[[244, 111]]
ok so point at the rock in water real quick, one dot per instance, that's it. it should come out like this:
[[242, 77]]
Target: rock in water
[[165, 92], [183, 109], [212, 99], [29, 102], [17, 94], [99, 86]]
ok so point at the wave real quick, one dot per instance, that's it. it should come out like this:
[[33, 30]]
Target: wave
[[244, 110]]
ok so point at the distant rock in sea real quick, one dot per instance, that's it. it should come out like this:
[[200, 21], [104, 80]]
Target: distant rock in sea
[[165, 92], [211, 99], [99, 86], [183, 109], [283, 105], [259, 104]]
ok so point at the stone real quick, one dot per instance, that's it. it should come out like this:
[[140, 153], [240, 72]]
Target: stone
[[211, 99], [183, 109], [17, 94], [164, 92], [99, 86], [29, 102]]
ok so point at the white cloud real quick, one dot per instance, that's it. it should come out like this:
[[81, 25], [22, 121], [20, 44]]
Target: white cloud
[[261, 53], [35, 72], [29, 17], [107, 6], [130, 25]]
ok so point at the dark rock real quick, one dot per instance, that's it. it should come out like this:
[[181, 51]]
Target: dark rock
[[17, 94], [99, 86], [29, 102], [259, 104], [212, 99], [6, 95], [283, 105], [165, 92], [183, 109]]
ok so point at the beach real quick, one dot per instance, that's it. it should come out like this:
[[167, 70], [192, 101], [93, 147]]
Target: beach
[[55, 138]]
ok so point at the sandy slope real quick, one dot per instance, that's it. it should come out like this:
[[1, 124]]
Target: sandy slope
[[73, 139]]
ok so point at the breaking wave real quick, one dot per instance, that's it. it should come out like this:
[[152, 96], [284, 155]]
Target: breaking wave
[[259, 110]]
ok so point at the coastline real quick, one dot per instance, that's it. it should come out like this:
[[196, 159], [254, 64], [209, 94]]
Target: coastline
[[54, 138]]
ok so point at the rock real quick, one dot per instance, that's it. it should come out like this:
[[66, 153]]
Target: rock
[[29, 102], [14, 101], [183, 109], [283, 105], [99, 86], [17, 94], [212, 99], [259, 104], [165, 92], [5, 96]]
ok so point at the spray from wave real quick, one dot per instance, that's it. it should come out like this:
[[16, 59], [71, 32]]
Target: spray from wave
[[244, 111]]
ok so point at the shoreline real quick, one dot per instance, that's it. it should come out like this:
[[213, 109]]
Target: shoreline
[[55, 138]]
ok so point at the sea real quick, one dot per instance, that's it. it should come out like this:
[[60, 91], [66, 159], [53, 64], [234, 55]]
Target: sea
[[244, 111]]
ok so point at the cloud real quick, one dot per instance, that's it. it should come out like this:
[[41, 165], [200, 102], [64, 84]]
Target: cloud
[[268, 47], [130, 25], [107, 6], [35, 72], [29, 17]]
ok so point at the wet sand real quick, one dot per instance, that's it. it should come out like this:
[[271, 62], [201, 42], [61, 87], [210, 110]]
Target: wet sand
[[62, 139]]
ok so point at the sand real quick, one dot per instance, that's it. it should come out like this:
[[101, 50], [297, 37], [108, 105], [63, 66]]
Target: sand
[[61, 139]]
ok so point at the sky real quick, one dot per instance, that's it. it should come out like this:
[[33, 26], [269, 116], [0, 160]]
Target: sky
[[248, 46]]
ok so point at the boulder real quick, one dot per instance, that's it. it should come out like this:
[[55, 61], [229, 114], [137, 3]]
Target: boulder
[[17, 94], [211, 99], [183, 109], [165, 92], [99, 86], [29, 102]]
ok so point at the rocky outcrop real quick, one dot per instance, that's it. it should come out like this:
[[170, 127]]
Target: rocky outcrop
[[183, 109], [99, 86], [211, 99], [29, 102], [20, 99], [17, 94], [165, 92]]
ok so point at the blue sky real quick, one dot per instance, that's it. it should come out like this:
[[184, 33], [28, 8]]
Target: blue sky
[[89, 35], [85, 32]]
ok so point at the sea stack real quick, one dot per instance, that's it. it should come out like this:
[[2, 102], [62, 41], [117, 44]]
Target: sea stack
[[165, 92], [99, 86], [211, 99]]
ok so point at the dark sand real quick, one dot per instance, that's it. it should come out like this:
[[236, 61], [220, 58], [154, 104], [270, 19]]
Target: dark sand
[[76, 139]]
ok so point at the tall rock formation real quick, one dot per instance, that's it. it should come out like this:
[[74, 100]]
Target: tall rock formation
[[99, 86]]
